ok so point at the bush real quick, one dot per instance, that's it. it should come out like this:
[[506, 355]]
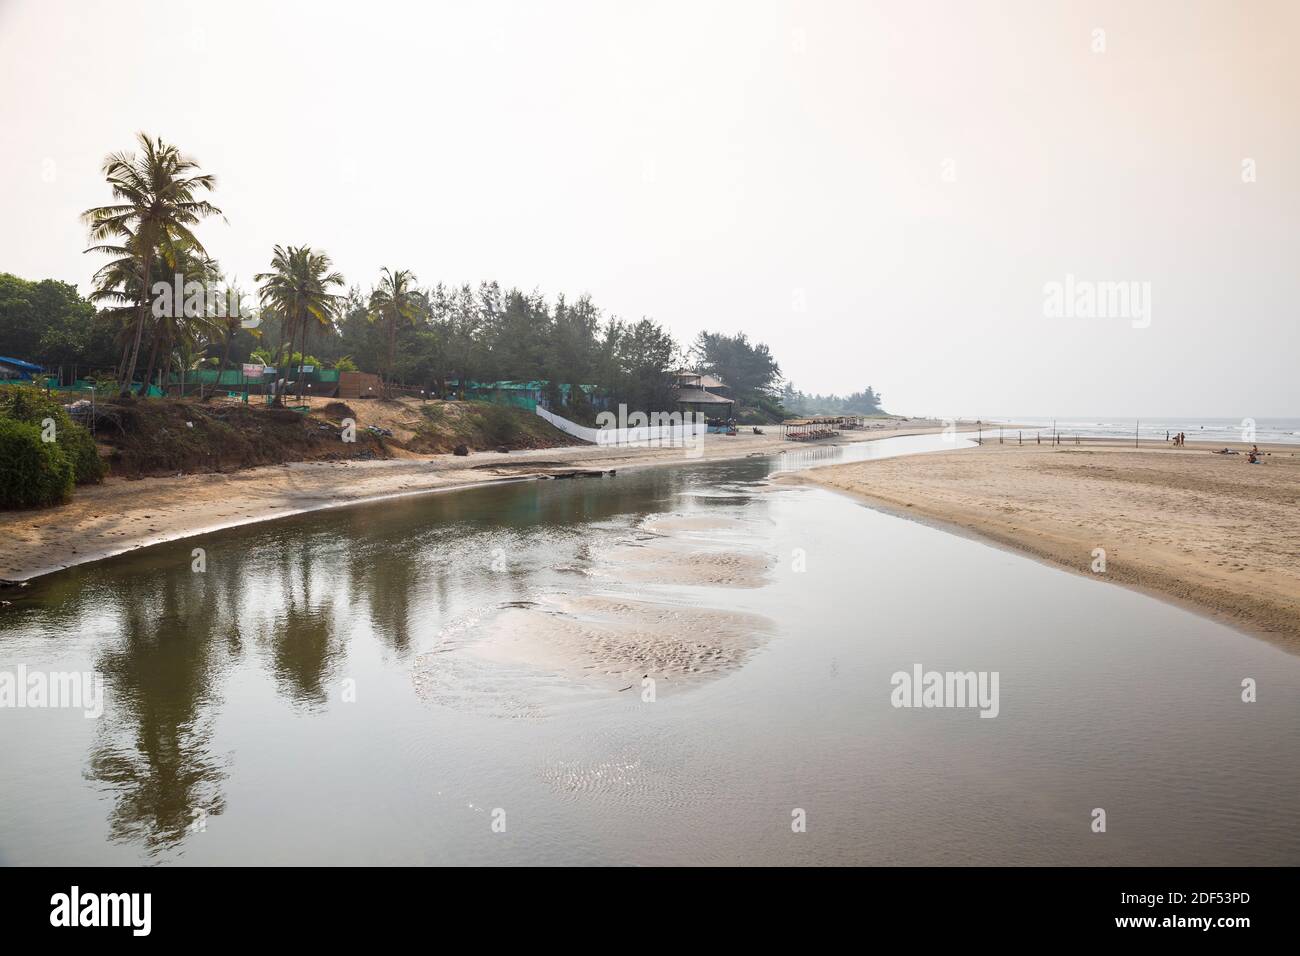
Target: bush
[[33, 473], [25, 403]]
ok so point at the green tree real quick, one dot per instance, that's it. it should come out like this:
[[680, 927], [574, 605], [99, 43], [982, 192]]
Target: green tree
[[298, 289], [749, 370], [156, 207], [394, 302]]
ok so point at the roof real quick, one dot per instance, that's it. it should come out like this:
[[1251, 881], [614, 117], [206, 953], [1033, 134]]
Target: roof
[[702, 379], [19, 363], [698, 396]]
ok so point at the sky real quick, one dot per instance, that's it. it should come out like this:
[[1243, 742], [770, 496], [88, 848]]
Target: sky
[[885, 193]]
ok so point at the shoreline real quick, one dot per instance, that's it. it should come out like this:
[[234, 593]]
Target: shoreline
[[123, 514], [1172, 521]]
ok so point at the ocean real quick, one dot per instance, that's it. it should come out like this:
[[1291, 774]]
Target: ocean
[[1265, 430]]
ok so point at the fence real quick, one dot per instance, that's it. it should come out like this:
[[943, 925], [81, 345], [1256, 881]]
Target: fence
[[645, 435]]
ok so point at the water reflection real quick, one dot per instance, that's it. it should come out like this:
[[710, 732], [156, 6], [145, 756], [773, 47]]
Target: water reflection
[[289, 598], [223, 703], [152, 748]]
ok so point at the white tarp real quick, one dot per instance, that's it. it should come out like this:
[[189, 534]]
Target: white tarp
[[671, 435]]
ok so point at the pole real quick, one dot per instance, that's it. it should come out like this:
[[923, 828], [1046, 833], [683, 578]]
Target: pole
[[1136, 429]]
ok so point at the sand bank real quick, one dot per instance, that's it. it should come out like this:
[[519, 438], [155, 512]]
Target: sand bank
[[121, 515], [1206, 530], [644, 621]]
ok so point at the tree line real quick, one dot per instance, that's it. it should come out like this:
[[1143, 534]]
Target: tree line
[[865, 402], [435, 337]]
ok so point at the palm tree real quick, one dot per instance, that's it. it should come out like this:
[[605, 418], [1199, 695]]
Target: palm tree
[[298, 288], [117, 291], [156, 208], [187, 320], [394, 300], [229, 327]]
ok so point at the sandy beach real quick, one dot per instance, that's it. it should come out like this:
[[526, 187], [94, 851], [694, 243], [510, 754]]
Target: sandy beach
[[1203, 529], [121, 515]]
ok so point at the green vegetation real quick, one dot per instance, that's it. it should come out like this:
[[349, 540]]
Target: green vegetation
[[151, 221], [394, 302], [33, 473], [156, 308], [866, 402], [435, 339], [29, 405], [51, 320], [297, 289]]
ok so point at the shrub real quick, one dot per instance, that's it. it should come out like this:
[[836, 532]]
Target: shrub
[[25, 403], [33, 473]]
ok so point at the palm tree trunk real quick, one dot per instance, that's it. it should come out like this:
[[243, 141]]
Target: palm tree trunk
[[126, 352], [392, 347], [153, 358], [225, 356], [302, 376], [139, 326], [285, 326]]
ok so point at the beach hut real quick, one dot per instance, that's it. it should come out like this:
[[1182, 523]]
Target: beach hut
[[701, 394]]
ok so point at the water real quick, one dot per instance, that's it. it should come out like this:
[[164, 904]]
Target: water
[[1266, 430], [228, 737]]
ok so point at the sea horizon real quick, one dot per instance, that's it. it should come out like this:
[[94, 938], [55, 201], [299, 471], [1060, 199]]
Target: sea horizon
[[1282, 431]]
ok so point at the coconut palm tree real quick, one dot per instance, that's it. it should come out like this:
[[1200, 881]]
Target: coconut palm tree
[[298, 289], [186, 321], [118, 287], [156, 208], [228, 327], [394, 301]]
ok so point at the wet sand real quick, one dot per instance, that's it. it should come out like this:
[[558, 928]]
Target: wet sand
[[643, 623], [1205, 530], [121, 515], [618, 641]]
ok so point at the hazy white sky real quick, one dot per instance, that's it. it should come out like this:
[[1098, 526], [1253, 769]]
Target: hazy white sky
[[880, 191]]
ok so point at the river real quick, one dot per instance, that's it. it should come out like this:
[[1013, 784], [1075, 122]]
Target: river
[[444, 679]]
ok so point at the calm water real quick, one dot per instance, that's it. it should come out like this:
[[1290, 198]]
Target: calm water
[[228, 737]]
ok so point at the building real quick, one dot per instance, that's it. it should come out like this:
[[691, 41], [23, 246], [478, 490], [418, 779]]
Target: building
[[16, 370], [702, 394]]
